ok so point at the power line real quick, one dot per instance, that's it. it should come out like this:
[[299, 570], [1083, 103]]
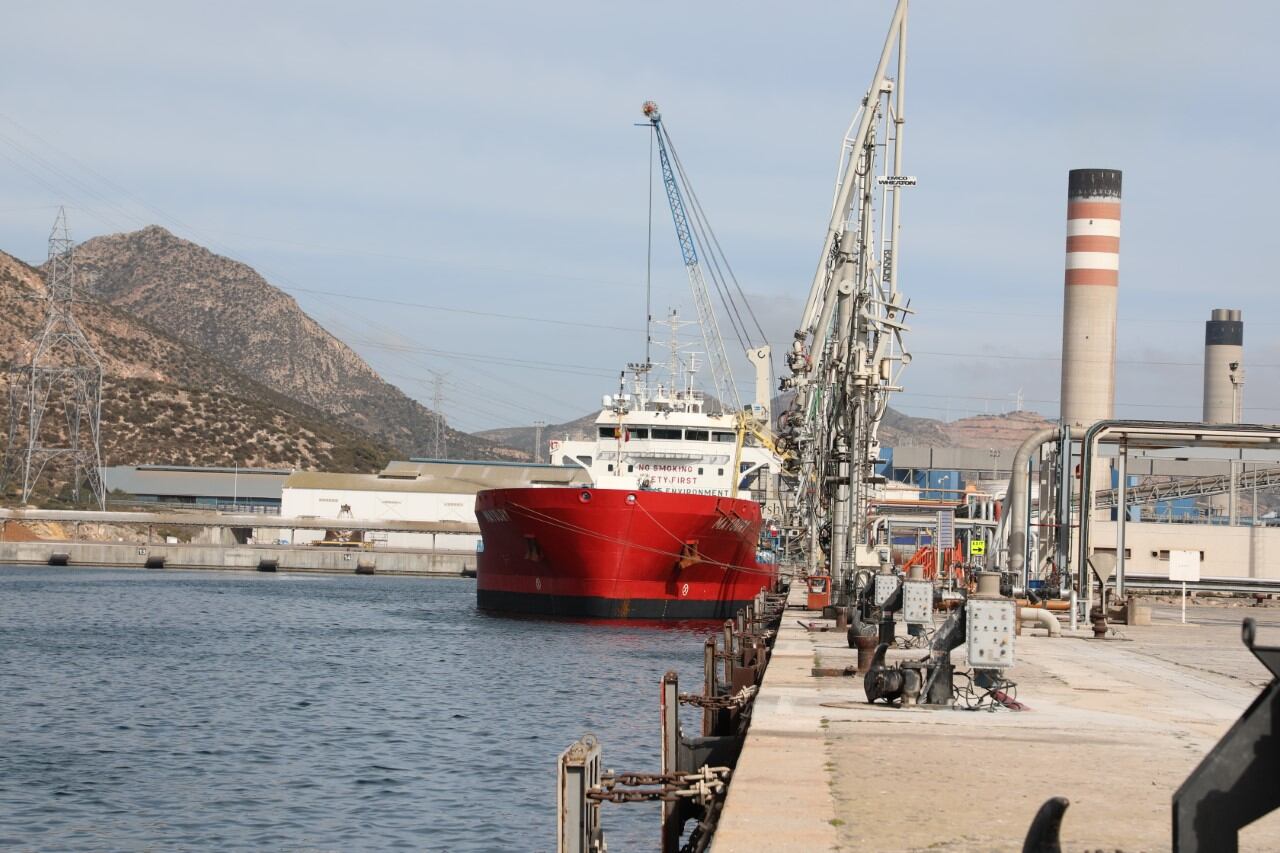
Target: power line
[[1192, 404], [491, 416], [711, 247], [403, 304], [120, 212], [549, 366], [409, 359], [1124, 319], [1136, 361]]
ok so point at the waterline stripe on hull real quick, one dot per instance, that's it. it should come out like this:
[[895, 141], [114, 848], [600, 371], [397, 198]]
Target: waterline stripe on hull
[[599, 607]]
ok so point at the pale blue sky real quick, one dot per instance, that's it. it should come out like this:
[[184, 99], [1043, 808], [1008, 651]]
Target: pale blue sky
[[482, 157]]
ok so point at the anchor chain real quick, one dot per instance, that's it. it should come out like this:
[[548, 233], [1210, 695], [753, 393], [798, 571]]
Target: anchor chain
[[704, 786], [721, 703]]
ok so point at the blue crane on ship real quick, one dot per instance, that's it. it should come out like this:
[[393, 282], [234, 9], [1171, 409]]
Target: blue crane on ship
[[690, 232]]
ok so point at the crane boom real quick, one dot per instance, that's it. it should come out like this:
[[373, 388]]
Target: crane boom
[[721, 373]]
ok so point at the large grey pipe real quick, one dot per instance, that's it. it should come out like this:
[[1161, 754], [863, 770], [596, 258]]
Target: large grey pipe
[[1017, 495]]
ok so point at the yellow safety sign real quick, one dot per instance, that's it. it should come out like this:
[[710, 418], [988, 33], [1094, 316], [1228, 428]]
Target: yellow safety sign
[[977, 547]]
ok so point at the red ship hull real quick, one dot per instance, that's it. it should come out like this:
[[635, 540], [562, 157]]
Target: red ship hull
[[617, 554]]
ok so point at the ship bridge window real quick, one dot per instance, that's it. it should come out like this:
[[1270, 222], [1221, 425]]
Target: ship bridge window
[[697, 435], [723, 436], [606, 432], [660, 432], [639, 432]]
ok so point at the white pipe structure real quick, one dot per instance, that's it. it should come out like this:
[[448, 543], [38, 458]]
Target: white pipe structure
[[1016, 498], [1151, 434], [840, 210], [848, 354], [1041, 617]]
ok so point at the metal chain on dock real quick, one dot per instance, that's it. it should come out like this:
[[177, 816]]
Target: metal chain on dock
[[704, 786], [721, 703]]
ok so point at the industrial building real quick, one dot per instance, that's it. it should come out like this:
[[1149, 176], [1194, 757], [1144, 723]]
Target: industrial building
[[947, 473], [416, 490], [177, 486], [427, 491]]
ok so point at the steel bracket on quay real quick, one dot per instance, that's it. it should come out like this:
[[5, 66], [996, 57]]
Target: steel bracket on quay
[[696, 771]]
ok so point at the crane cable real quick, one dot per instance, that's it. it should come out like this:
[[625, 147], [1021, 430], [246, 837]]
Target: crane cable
[[715, 254], [697, 227]]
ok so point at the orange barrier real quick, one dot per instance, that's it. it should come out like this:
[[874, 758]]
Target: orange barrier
[[926, 556]]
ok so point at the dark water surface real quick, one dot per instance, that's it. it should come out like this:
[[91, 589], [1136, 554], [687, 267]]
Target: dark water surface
[[176, 710]]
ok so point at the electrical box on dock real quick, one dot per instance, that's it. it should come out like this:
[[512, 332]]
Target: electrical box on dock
[[990, 627], [819, 591], [917, 602], [885, 586]]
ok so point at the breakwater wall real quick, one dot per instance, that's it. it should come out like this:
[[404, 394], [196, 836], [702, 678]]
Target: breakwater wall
[[243, 557]]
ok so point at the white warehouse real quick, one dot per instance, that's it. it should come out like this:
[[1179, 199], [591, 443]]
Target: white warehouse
[[425, 491]]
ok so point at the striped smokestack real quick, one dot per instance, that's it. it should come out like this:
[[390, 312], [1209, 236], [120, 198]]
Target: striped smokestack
[[1089, 299]]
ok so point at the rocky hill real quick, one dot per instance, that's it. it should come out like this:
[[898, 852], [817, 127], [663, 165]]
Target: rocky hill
[[227, 312], [1007, 430], [523, 437], [897, 429], [166, 402]]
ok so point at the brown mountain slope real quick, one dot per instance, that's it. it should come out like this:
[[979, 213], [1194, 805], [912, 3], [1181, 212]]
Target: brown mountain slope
[[523, 437], [166, 403], [899, 430], [1004, 430], [1007, 430], [228, 311]]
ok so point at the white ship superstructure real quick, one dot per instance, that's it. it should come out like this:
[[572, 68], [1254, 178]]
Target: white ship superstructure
[[663, 440]]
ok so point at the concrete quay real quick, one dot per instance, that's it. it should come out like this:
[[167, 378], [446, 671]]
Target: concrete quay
[[1114, 725], [284, 558]]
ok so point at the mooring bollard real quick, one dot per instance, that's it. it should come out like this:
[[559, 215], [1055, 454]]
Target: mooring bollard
[[579, 825]]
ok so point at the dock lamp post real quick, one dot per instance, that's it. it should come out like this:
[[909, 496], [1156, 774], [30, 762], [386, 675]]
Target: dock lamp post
[[1236, 375]]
